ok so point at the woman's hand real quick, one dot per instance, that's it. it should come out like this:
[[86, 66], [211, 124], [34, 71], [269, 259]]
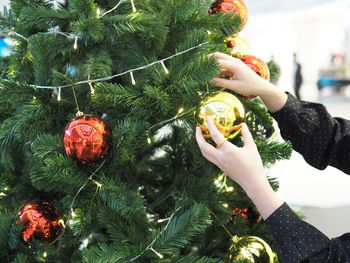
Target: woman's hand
[[245, 81], [243, 165]]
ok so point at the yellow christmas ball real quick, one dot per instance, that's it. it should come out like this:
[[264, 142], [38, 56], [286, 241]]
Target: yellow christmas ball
[[226, 110], [237, 45], [252, 248]]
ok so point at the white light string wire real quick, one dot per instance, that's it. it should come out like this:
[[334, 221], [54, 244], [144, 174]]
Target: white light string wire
[[82, 187], [161, 61], [130, 71], [74, 36], [114, 8], [150, 246]]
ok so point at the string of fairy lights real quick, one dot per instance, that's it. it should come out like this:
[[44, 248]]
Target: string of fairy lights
[[90, 81]]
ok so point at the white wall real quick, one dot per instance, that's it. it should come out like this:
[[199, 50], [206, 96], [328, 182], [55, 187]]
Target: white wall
[[3, 3], [313, 33]]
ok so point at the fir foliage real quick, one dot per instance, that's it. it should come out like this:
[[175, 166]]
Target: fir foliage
[[154, 198]]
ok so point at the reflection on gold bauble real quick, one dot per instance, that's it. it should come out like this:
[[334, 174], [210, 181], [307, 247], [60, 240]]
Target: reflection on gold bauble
[[226, 110], [237, 45], [252, 248]]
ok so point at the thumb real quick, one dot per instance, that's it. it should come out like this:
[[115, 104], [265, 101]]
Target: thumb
[[247, 136]]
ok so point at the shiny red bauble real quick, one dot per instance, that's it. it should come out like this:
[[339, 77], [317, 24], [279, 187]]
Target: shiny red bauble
[[258, 66], [40, 221], [87, 139], [238, 7], [247, 213]]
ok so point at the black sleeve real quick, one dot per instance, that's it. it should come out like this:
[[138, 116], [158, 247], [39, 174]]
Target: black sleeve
[[321, 139], [298, 241]]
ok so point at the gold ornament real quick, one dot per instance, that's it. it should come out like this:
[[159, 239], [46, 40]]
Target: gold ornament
[[237, 45], [226, 110], [253, 248]]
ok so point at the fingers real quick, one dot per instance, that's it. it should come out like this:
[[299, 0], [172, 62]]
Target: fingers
[[227, 84], [214, 132], [247, 136], [226, 64], [219, 55], [225, 72], [207, 150]]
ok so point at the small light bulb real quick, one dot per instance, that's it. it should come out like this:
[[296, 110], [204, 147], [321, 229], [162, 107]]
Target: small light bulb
[[73, 213], [133, 6], [157, 253], [209, 33], [225, 205], [229, 189], [99, 185], [181, 110], [62, 223], [45, 254], [164, 67], [149, 140], [133, 82], [75, 46], [59, 95], [92, 90], [98, 12]]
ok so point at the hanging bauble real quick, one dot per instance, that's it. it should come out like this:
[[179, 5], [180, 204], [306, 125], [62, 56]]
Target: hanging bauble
[[87, 139], [247, 213], [40, 221], [237, 45], [226, 110], [238, 7], [258, 66], [251, 248]]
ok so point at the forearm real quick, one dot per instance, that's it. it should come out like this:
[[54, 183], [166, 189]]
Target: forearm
[[264, 197], [273, 98]]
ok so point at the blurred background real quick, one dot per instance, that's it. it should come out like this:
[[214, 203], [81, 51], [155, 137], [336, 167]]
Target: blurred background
[[318, 33]]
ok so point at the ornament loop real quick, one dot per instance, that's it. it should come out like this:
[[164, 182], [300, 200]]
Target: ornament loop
[[79, 113]]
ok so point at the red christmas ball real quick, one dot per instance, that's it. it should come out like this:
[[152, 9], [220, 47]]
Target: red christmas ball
[[247, 213], [87, 139], [258, 66], [40, 220], [237, 7]]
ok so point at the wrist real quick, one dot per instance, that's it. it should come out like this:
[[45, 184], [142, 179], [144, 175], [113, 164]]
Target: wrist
[[257, 188], [265, 199], [274, 98]]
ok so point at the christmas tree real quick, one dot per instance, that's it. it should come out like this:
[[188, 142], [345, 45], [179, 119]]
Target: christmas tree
[[136, 70]]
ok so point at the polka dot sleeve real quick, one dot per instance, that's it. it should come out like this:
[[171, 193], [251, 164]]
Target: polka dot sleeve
[[298, 241], [321, 139]]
